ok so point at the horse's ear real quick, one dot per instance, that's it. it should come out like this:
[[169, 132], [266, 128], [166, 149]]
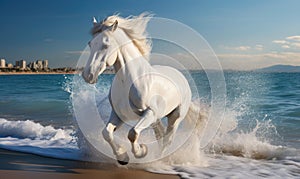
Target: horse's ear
[[114, 26], [94, 21]]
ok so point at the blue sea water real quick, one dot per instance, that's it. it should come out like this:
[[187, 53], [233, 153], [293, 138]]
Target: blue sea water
[[40, 98], [36, 115]]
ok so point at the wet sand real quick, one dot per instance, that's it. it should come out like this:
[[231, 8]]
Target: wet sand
[[14, 165]]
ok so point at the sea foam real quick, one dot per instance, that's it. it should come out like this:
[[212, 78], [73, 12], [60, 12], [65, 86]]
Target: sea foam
[[29, 136], [31, 130]]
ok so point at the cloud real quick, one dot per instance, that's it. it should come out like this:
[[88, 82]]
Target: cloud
[[290, 56], [280, 42], [254, 61], [291, 42], [285, 46], [279, 55], [239, 48], [297, 45], [234, 56], [244, 48], [259, 47], [295, 38], [253, 57]]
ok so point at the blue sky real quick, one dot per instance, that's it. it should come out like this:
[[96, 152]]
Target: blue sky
[[244, 34]]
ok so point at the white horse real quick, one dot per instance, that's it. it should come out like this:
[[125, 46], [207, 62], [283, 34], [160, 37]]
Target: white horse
[[139, 91]]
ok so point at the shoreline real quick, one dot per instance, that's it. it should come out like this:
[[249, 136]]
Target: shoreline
[[45, 73], [16, 165], [38, 73]]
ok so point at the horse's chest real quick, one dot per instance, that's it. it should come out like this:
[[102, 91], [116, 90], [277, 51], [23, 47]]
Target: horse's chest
[[138, 97], [124, 107], [130, 99]]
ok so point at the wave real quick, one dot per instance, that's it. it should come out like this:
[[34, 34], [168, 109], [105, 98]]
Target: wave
[[244, 144], [31, 130], [230, 153], [31, 137]]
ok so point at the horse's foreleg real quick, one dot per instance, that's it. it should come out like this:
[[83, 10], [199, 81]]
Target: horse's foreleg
[[112, 125], [140, 150]]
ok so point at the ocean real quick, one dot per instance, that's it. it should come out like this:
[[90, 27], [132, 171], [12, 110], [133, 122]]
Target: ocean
[[258, 138]]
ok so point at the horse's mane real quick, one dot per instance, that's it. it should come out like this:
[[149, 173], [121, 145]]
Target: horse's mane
[[133, 26]]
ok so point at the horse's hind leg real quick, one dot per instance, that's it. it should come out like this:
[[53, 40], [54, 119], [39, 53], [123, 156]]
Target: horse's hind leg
[[113, 124], [140, 150], [174, 120], [159, 131]]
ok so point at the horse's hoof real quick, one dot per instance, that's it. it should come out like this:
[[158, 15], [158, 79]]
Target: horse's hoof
[[122, 162], [123, 159], [144, 152]]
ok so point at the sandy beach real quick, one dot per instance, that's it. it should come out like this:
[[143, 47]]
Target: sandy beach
[[23, 165]]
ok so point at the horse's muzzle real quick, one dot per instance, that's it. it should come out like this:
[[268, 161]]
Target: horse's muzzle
[[89, 78]]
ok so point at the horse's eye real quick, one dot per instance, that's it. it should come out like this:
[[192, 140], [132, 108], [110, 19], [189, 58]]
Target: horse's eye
[[105, 40], [104, 46]]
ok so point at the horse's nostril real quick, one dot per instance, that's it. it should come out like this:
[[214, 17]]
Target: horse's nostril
[[90, 77]]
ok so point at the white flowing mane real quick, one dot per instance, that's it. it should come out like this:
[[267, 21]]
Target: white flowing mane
[[133, 26]]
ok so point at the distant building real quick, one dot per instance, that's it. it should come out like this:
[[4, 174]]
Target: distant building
[[22, 64], [2, 63], [45, 64], [32, 65], [17, 64], [39, 64], [10, 65]]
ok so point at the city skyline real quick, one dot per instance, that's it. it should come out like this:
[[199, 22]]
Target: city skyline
[[41, 64], [244, 35], [33, 67]]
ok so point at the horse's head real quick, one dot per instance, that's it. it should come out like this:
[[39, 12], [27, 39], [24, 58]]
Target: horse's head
[[103, 52]]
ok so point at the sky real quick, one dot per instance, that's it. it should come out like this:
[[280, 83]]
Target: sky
[[244, 34]]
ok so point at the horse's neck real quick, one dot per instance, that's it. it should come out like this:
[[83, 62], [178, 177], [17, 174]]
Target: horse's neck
[[131, 63]]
